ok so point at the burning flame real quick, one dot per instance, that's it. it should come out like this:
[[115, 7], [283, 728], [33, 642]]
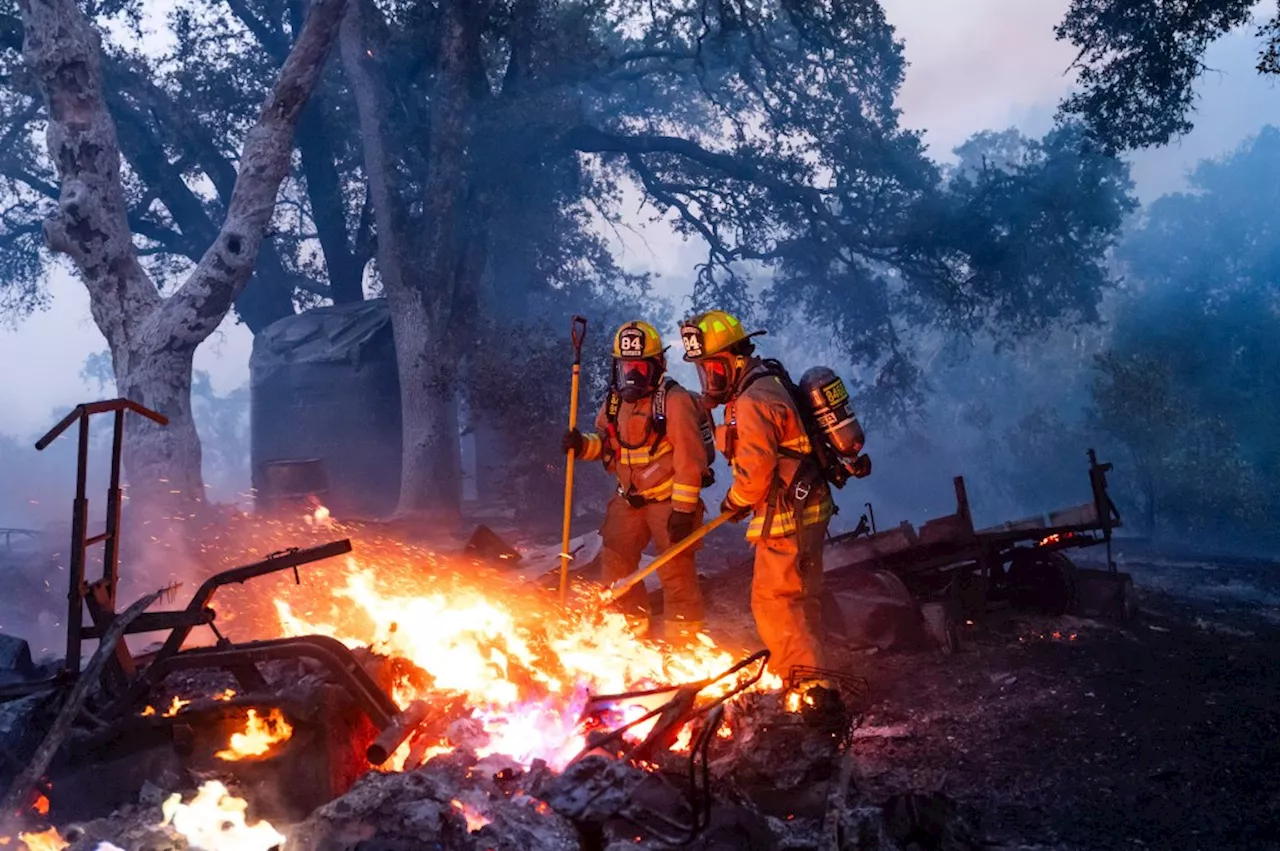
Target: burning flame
[[475, 820], [258, 736], [524, 666], [49, 840], [215, 821], [175, 707]]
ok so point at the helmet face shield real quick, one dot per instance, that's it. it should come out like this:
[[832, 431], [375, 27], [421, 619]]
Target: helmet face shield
[[635, 378], [715, 375]]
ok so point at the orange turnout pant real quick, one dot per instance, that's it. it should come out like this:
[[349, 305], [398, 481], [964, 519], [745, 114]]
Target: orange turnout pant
[[626, 532], [786, 600]]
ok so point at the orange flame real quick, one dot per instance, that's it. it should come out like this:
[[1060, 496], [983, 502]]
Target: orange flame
[[41, 805], [258, 737], [475, 819], [524, 665], [175, 707], [215, 821], [49, 840]]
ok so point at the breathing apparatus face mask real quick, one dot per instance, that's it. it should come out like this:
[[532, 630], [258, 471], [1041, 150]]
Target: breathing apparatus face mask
[[635, 378], [716, 376]]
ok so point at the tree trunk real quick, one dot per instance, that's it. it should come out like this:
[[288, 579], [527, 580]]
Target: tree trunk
[[153, 339], [426, 277], [431, 459], [163, 461]]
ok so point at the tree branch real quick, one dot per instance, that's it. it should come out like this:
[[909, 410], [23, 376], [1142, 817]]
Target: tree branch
[[273, 42], [205, 297], [43, 187], [63, 52], [367, 75]]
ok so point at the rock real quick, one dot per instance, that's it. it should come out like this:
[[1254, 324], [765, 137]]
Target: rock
[[450, 803], [151, 795], [132, 828], [593, 790]]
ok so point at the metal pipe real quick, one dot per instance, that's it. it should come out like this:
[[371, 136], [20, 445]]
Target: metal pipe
[[111, 547], [394, 735], [75, 566]]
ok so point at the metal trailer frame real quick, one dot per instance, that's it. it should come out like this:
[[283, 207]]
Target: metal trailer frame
[[935, 563], [127, 681]]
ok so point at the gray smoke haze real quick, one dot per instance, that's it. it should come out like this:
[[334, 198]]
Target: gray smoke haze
[[956, 85]]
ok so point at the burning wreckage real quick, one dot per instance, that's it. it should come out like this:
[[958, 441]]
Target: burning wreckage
[[491, 716]]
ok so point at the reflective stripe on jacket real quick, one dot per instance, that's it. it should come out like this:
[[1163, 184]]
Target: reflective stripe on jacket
[[760, 422], [670, 467]]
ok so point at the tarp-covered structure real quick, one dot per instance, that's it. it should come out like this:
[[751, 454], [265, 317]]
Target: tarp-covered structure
[[323, 386]]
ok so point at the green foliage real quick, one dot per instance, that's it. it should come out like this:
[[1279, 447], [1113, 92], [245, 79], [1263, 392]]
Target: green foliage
[[1139, 61]]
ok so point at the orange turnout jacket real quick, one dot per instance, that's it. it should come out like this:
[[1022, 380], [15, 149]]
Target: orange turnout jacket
[[761, 433], [651, 462]]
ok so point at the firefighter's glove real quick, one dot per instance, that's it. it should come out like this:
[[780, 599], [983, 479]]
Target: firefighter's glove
[[739, 511], [680, 525], [572, 440]]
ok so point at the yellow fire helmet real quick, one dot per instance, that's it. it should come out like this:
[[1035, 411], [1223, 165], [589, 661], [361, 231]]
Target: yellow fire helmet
[[637, 340], [711, 333]]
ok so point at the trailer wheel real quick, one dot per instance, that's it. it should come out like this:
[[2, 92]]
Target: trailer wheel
[[1042, 582]]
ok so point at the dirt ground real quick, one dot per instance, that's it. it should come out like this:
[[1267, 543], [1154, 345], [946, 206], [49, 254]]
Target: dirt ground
[[1066, 733]]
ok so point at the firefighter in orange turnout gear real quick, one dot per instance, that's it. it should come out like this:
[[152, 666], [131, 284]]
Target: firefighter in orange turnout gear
[[776, 480], [657, 439]]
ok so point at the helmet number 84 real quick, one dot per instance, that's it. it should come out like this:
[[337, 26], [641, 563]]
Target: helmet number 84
[[631, 344]]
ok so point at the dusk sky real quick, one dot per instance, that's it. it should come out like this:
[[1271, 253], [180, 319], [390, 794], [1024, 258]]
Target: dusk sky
[[974, 64]]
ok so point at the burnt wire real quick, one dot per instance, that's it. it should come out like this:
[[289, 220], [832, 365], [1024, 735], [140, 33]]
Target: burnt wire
[[614, 735], [699, 797]]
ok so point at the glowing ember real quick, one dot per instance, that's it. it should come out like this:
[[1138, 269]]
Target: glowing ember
[[523, 665], [175, 707], [215, 821], [475, 820], [226, 695], [49, 840], [258, 736], [150, 710], [1047, 636], [41, 805], [319, 516]]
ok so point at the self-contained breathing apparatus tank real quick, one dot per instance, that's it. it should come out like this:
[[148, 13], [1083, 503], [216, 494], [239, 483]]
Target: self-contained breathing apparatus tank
[[841, 437]]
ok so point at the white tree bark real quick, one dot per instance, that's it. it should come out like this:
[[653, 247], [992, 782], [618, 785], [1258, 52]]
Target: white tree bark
[[153, 339]]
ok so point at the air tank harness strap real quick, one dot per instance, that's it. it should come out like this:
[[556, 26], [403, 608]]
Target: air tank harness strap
[[801, 488]]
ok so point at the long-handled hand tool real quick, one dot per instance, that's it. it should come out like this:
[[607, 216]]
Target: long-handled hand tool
[[577, 333], [625, 584]]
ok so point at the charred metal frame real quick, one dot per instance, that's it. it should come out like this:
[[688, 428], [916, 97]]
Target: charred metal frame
[[99, 596], [128, 681], [985, 550]]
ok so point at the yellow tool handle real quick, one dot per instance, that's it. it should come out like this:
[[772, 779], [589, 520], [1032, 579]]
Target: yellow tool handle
[[577, 333], [625, 584]]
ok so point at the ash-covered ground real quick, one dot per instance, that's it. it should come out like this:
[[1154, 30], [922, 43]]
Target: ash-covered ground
[[1040, 733]]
